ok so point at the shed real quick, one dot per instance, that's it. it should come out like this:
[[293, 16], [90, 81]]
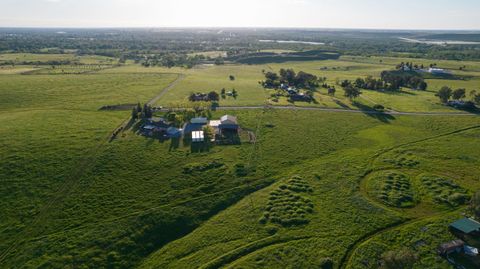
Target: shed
[[198, 136], [451, 247], [228, 122], [466, 226]]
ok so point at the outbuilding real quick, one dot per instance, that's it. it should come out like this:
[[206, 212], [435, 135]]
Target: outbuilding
[[466, 226], [228, 122], [455, 246], [199, 120]]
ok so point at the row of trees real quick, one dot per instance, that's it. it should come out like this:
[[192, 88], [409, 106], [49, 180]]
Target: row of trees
[[391, 81], [290, 78], [212, 96], [394, 80], [144, 112], [446, 94]]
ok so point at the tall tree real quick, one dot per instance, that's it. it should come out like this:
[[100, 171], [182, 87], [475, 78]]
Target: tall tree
[[459, 94], [351, 92], [445, 93], [213, 96]]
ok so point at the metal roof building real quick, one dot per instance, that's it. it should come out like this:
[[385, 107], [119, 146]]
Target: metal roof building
[[199, 121], [466, 225]]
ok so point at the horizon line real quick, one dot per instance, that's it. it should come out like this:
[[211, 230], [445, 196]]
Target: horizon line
[[241, 27]]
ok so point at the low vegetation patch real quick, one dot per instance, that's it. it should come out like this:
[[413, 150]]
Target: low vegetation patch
[[407, 160], [201, 167], [444, 191], [393, 189], [286, 206]]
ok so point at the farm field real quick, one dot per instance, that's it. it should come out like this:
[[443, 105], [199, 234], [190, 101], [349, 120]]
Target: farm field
[[311, 189], [250, 93]]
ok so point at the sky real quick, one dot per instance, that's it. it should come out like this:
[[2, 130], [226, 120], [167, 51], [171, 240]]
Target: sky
[[368, 14]]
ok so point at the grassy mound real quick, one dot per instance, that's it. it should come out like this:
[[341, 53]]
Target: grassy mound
[[393, 189], [286, 206], [444, 191]]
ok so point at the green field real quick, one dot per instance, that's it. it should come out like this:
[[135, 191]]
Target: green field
[[315, 186]]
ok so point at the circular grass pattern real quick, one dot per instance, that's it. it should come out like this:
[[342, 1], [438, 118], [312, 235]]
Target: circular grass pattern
[[392, 189]]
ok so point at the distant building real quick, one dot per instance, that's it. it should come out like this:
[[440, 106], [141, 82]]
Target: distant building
[[301, 97], [198, 136], [432, 70]]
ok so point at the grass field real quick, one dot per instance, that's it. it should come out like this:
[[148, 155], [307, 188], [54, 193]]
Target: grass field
[[315, 186], [29, 57]]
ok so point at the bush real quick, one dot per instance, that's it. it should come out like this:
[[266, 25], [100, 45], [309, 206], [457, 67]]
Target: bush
[[378, 107], [326, 263]]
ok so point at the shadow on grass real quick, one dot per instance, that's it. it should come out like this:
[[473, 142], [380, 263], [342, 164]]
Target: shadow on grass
[[174, 143], [369, 111], [473, 110], [199, 147], [341, 104]]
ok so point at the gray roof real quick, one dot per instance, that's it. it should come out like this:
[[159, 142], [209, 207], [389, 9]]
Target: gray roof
[[199, 120], [227, 119]]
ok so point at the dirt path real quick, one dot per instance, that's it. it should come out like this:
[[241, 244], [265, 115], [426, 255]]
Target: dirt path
[[172, 85]]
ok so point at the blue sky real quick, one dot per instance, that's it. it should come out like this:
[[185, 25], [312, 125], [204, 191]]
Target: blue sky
[[384, 14]]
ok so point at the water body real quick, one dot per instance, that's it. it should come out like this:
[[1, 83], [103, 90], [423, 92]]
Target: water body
[[292, 42], [439, 42]]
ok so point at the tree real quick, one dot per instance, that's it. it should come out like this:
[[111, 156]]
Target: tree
[[288, 76], [134, 113], [459, 94], [445, 93], [213, 96], [331, 91], [234, 93], [400, 259], [208, 132], [476, 99], [139, 108], [351, 92], [232, 78]]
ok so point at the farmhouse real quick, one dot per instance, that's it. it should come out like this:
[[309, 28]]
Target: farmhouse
[[155, 125], [465, 226], [302, 97], [226, 124]]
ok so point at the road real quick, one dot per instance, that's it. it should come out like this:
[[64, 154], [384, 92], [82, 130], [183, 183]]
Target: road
[[340, 110]]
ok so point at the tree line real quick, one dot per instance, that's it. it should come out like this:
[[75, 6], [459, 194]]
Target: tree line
[[289, 77]]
